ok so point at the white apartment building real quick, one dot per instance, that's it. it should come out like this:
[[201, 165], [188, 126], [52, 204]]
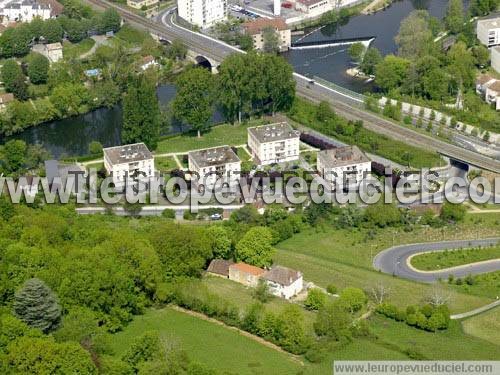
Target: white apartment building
[[202, 13], [344, 167], [495, 58], [488, 31], [275, 143], [256, 28], [489, 89], [215, 163], [26, 11], [124, 163], [313, 8], [284, 282]]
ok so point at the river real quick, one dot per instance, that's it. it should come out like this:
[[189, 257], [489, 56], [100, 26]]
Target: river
[[71, 137], [331, 63]]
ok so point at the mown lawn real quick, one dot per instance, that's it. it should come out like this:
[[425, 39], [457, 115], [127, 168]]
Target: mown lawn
[[451, 344], [485, 326], [165, 164], [451, 258], [216, 346], [74, 50], [226, 134], [130, 36], [344, 258]]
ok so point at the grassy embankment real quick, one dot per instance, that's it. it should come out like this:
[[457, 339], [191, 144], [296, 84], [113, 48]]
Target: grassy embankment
[[451, 258], [305, 113]]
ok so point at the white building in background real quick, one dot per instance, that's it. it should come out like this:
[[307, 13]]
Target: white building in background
[[124, 163], [257, 27], [275, 143], [283, 282], [313, 8], [343, 166], [488, 31], [215, 163], [202, 13], [26, 11], [489, 89]]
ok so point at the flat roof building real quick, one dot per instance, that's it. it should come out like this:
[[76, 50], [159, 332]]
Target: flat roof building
[[488, 31], [343, 166], [127, 161], [215, 163], [274, 143]]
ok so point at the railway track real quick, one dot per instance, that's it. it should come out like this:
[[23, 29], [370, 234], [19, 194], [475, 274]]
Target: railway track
[[315, 94]]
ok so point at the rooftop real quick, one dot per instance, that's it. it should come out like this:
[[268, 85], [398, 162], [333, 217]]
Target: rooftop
[[127, 153], [247, 268], [53, 46], [256, 26], [309, 2], [342, 156], [214, 156], [490, 22], [274, 132], [220, 267], [282, 275]]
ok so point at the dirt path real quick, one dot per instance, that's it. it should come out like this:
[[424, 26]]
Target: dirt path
[[260, 340]]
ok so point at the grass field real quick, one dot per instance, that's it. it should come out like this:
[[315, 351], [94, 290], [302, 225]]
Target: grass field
[[165, 164], [451, 258], [485, 326], [487, 285], [214, 345], [130, 36], [74, 50], [232, 135], [344, 258]]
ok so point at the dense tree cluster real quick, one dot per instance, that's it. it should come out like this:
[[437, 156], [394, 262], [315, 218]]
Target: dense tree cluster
[[427, 317]]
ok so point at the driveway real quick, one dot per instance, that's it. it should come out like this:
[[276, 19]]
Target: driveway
[[394, 261]]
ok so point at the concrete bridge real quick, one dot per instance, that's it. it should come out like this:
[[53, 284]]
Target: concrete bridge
[[209, 52]]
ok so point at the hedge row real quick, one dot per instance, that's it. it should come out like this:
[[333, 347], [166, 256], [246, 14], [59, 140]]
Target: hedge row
[[427, 317]]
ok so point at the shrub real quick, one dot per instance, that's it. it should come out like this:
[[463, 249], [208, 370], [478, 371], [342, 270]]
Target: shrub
[[352, 299], [315, 300], [95, 147], [407, 120], [332, 289], [168, 213]]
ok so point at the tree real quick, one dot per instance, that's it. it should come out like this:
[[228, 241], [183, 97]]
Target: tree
[[141, 113], [13, 156], [38, 68], [261, 292], [95, 148], [371, 59], [414, 38], [52, 31], [333, 322], [481, 54], [279, 84], [70, 99], [483, 7], [36, 305], [315, 300], [391, 72], [11, 72], [219, 240], [461, 65], [379, 293], [177, 50], [453, 212], [195, 98], [255, 247], [352, 299], [454, 18], [110, 21], [356, 51], [42, 355], [271, 40], [143, 348], [14, 41], [20, 89], [383, 214]]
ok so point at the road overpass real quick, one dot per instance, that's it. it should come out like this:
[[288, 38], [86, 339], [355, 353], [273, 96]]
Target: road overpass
[[207, 49]]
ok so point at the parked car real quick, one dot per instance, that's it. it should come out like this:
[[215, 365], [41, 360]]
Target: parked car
[[216, 217]]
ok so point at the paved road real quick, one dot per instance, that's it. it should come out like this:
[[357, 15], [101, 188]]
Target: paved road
[[344, 104], [394, 260]]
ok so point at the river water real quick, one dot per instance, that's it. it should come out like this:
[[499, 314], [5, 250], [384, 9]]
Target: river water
[[71, 137], [331, 63]]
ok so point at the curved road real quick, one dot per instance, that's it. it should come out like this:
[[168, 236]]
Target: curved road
[[394, 260]]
